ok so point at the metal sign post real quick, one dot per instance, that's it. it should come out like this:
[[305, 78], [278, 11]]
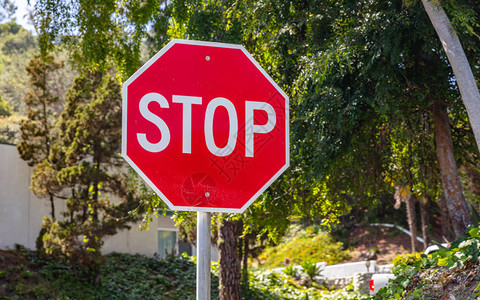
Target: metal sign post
[[203, 255]]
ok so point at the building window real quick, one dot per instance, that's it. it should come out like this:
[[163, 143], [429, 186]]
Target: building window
[[167, 242]]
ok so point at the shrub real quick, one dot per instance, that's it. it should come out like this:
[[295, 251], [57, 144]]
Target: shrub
[[268, 285], [290, 270], [311, 269], [127, 276], [410, 284], [407, 259], [306, 246], [5, 108]]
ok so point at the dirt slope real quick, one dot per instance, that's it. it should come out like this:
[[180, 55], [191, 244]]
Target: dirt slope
[[377, 243]]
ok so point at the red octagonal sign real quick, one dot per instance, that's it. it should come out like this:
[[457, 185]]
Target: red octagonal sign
[[205, 126]]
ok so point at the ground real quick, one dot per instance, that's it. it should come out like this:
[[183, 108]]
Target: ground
[[434, 283], [10, 259], [386, 243], [442, 283], [14, 267]]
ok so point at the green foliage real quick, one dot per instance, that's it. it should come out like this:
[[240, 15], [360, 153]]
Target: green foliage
[[7, 9], [17, 42], [275, 286], [37, 129], [364, 107], [346, 293], [110, 31], [85, 164], [214, 21], [124, 276], [173, 278], [464, 17], [272, 285], [10, 129], [407, 259], [10, 28], [127, 276], [346, 105], [150, 204], [17, 47], [290, 270], [306, 247], [312, 269], [410, 283], [6, 108]]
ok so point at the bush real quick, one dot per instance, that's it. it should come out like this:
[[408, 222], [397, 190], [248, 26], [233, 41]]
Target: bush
[[6, 108], [124, 276], [407, 259], [127, 276], [311, 269], [269, 285], [290, 270], [308, 246], [420, 275]]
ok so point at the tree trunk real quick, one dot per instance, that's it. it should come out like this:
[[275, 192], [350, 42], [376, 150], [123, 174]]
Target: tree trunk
[[442, 203], [412, 222], [424, 219], [230, 270], [452, 187], [245, 254], [461, 68], [52, 207]]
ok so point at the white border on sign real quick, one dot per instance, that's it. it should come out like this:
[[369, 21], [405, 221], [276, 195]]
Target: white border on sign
[[148, 181]]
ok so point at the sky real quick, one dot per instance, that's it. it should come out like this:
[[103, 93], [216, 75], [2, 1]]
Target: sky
[[21, 13]]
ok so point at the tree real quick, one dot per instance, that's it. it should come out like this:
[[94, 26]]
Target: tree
[[8, 123], [404, 194], [399, 77], [461, 69], [363, 73], [7, 9], [5, 108], [230, 261], [38, 132], [471, 98], [90, 172], [98, 33], [17, 48], [16, 40], [452, 186], [86, 163]]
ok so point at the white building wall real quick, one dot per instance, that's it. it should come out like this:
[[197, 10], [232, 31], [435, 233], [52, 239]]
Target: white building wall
[[21, 213], [135, 241], [19, 209]]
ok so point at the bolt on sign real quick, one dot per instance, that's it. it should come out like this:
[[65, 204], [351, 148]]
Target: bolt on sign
[[205, 126]]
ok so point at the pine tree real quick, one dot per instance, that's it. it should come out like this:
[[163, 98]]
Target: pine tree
[[37, 130], [90, 171]]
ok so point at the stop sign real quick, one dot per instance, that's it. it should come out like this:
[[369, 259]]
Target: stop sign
[[205, 126]]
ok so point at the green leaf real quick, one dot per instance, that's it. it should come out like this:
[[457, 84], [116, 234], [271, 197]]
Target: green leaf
[[442, 262], [410, 271], [474, 232]]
